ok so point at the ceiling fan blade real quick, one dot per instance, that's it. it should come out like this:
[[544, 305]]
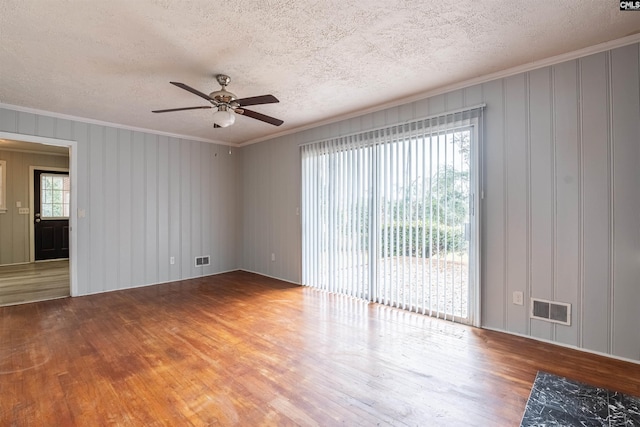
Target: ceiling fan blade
[[261, 117], [195, 92], [180, 109], [256, 100]]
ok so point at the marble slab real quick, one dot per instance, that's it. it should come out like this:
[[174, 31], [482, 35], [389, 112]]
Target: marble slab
[[558, 401]]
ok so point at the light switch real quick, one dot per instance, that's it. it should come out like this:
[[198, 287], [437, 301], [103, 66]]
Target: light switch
[[23, 211], [18, 204]]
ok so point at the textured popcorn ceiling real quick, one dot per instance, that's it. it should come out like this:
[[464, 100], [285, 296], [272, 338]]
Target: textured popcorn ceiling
[[113, 60]]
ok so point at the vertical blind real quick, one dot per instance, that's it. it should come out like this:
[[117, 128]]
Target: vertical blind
[[387, 214]]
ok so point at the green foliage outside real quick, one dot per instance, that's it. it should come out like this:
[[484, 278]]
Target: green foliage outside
[[428, 218], [420, 240]]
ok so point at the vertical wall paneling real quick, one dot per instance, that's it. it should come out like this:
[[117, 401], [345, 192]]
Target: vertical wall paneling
[[96, 208], [596, 202], [405, 111], [252, 196], [174, 209], [122, 180], [80, 133], [516, 199], [421, 108], [542, 208], [567, 195], [195, 219], [16, 169], [626, 200], [151, 208], [437, 105], [262, 249], [247, 213], [471, 96], [274, 205], [205, 205], [137, 210], [45, 126], [8, 120], [163, 209], [216, 197], [271, 174], [187, 261], [493, 228], [111, 209], [454, 100], [64, 129], [26, 123]]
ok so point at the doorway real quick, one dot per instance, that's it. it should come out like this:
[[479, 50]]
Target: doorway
[[63, 266]]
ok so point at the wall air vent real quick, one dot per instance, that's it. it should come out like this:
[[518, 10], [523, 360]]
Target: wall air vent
[[201, 261], [551, 311]]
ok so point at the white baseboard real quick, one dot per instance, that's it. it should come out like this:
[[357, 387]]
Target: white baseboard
[[586, 350], [271, 277]]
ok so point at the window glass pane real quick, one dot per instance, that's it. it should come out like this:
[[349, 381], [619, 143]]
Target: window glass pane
[[55, 196], [57, 183]]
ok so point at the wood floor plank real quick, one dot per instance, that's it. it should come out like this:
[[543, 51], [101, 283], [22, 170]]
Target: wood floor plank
[[23, 283], [242, 349]]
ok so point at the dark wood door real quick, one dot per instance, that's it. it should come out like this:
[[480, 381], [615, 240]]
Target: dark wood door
[[51, 214]]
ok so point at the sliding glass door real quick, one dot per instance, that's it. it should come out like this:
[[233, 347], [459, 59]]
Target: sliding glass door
[[390, 215]]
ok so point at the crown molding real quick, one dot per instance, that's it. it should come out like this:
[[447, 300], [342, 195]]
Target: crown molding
[[110, 124], [553, 60], [631, 39]]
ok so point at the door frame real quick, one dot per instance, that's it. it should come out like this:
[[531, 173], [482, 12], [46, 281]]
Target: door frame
[[32, 233], [73, 217]]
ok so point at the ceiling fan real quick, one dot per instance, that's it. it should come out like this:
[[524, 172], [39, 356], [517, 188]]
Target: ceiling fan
[[228, 105]]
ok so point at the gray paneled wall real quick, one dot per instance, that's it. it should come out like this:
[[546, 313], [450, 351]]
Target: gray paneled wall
[[271, 218], [562, 197], [147, 198], [14, 228]]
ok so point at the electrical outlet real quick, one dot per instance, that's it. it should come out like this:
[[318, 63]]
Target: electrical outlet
[[273, 256], [172, 260], [518, 298]]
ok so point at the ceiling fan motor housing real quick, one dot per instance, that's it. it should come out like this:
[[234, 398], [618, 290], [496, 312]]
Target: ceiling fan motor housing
[[223, 96]]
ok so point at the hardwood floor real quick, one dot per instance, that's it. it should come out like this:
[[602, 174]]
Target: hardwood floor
[[34, 282], [242, 349]]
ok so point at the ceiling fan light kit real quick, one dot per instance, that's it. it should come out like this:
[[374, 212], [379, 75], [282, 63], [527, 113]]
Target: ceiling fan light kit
[[227, 105], [224, 117]]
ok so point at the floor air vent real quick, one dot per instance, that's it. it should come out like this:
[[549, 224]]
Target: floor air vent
[[202, 261], [551, 311]]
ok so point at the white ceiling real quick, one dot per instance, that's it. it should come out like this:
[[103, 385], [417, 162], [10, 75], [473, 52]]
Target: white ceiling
[[112, 60]]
